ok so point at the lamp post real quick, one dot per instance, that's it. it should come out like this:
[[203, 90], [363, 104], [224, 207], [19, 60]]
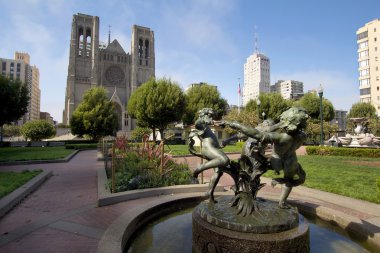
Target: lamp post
[[320, 93], [258, 102]]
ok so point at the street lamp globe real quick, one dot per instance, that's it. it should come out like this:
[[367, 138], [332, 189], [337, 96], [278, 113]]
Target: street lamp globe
[[320, 90]]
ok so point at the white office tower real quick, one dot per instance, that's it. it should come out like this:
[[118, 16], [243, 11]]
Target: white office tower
[[256, 77]]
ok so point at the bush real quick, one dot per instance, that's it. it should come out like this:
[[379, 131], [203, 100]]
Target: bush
[[37, 130], [333, 151], [82, 146], [378, 188], [135, 172]]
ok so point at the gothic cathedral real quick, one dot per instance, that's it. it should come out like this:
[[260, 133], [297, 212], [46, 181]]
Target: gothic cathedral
[[93, 63]]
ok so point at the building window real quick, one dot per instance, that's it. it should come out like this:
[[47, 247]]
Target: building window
[[377, 88], [365, 91], [364, 82], [3, 67], [362, 35], [375, 39], [104, 57], [364, 72], [377, 78], [363, 63], [363, 44], [377, 68]]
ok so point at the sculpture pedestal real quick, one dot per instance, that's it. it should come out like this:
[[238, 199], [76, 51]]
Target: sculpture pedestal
[[217, 228]]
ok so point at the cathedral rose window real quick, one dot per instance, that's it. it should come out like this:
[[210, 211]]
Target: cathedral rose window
[[115, 75]]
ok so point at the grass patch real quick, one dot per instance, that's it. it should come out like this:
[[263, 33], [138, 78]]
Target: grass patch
[[353, 177], [10, 181], [184, 149], [33, 153]]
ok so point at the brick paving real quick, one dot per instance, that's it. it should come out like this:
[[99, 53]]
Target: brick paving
[[61, 216]]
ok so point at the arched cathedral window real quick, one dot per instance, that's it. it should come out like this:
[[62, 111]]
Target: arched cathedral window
[[80, 41], [140, 50], [146, 52]]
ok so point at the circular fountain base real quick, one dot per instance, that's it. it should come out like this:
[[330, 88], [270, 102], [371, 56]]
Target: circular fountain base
[[217, 228]]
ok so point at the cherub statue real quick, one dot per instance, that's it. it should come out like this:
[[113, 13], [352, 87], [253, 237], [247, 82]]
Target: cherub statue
[[210, 150], [286, 137]]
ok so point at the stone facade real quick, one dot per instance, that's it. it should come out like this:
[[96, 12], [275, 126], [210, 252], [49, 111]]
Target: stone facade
[[93, 63], [368, 39], [20, 68], [289, 89]]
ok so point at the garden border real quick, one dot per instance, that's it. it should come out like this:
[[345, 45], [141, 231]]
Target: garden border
[[105, 197], [63, 160], [15, 197]]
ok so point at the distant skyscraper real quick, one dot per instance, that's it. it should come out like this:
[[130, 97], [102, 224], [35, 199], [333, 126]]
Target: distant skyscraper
[[20, 68], [368, 39], [289, 89], [256, 76]]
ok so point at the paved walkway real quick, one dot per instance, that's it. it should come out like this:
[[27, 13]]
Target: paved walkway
[[61, 216]]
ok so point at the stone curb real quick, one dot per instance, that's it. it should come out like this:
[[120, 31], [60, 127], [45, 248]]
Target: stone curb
[[64, 160], [122, 229], [105, 197], [12, 199]]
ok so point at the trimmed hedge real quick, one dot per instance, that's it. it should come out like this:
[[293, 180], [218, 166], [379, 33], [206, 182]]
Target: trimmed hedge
[[82, 146], [334, 151], [378, 187]]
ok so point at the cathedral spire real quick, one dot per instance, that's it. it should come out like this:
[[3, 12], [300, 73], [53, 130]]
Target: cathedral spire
[[109, 34]]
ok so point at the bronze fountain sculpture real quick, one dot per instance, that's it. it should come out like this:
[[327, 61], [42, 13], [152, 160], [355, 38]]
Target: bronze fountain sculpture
[[220, 221]]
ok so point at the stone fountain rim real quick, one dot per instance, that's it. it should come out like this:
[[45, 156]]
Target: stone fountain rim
[[122, 229]]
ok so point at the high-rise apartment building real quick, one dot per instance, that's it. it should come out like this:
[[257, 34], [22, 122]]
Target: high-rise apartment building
[[93, 63], [20, 68], [289, 89], [256, 76], [368, 39]]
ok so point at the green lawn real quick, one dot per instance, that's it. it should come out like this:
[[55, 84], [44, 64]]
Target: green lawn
[[33, 153], [10, 181], [349, 176], [184, 149]]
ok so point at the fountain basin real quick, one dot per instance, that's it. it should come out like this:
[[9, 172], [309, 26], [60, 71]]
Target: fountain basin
[[122, 231]]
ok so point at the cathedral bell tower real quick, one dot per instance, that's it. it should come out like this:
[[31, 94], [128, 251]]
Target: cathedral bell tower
[[83, 61]]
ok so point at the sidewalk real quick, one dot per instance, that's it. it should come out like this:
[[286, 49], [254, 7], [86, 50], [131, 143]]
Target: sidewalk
[[61, 216]]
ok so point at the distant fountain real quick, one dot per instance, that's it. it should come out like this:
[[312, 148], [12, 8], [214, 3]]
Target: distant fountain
[[361, 138]]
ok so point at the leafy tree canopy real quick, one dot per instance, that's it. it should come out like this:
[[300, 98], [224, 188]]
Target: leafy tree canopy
[[311, 102], [203, 96], [95, 116], [37, 130], [14, 100], [139, 132], [272, 104], [157, 103], [359, 110]]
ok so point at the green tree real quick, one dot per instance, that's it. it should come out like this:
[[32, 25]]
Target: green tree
[[37, 130], [360, 110], [311, 102], [95, 116], [157, 103], [246, 117], [14, 101], [272, 104], [203, 96], [139, 132], [11, 130]]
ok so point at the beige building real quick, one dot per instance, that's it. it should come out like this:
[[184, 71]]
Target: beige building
[[94, 63], [46, 116], [20, 68], [256, 77], [368, 39], [289, 89]]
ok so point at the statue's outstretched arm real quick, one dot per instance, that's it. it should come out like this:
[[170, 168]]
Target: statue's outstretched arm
[[249, 131]]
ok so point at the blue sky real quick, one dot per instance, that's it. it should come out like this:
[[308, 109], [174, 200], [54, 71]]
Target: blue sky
[[201, 40]]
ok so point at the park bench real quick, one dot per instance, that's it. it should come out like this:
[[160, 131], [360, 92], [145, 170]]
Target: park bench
[[19, 143]]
